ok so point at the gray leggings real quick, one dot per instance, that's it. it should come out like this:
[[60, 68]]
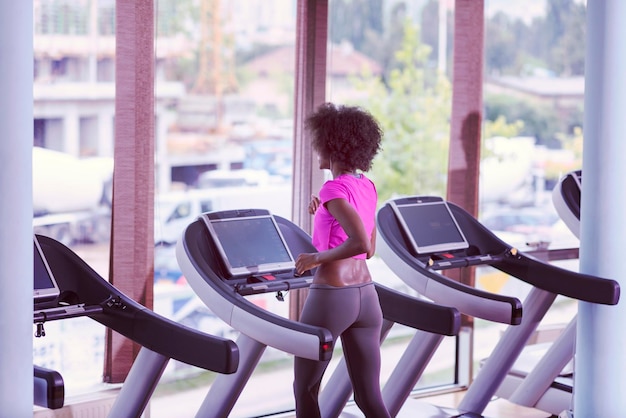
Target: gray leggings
[[352, 312]]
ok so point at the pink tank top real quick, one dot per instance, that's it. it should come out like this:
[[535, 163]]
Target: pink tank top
[[361, 193]]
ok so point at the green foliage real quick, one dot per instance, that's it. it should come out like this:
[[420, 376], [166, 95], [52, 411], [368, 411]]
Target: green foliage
[[174, 17], [381, 47], [500, 127], [540, 120], [567, 55], [555, 42], [415, 118], [354, 21], [500, 55], [573, 143]]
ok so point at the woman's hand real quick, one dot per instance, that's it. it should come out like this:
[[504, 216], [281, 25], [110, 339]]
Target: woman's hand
[[314, 204], [306, 261]]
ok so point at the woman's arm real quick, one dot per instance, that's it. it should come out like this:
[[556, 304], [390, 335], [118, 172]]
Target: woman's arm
[[372, 250], [358, 242]]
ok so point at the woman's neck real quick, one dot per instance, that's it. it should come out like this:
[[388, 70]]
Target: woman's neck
[[338, 170]]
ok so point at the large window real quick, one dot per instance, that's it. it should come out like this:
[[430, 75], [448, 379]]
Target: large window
[[224, 139], [73, 164], [227, 143]]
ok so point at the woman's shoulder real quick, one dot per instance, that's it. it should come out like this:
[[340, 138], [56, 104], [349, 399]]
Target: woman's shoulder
[[344, 182], [333, 188], [347, 185]]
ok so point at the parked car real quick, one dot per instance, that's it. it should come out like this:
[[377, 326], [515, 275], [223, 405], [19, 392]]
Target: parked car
[[166, 269], [173, 211]]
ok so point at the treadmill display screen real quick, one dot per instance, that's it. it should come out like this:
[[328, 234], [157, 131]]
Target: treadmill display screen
[[429, 225], [250, 245], [45, 286]]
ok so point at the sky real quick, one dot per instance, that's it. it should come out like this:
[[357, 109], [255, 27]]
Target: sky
[[524, 9]]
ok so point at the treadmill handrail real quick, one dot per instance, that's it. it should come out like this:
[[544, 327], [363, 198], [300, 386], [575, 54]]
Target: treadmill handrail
[[419, 314], [583, 287], [554, 279], [49, 388], [135, 321], [435, 286]]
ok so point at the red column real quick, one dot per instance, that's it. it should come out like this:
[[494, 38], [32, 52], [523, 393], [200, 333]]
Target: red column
[[132, 235], [310, 92], [466, 119], [467, 103]]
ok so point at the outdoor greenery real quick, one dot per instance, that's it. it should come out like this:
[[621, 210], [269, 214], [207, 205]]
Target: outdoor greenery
[[550, 45], [414, 115], [553, 43], [415, 118], [412, 98]]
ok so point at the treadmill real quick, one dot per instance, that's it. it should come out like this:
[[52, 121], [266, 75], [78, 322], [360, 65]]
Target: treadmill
[[66, 287], [566, 197], [420, 236], [546, 380], [229, 255]]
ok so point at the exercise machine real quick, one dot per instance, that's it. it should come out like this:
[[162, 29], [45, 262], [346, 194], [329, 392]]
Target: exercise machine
[[66, 287], [395, 247], [547, 380], [420, 236], [417, 260], [543, 377], [566, 199], [227, 256]]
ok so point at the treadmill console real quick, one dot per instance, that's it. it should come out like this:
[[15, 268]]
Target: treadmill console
[[45, 287], [434, 237], [251, 252]]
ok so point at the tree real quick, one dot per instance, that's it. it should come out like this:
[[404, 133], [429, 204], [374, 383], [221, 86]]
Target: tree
[[500, 51], [567, 55], [500, 127], [555, 42], [540, 120], [208, 67], [352, 20], [381, 46], [414, 116]]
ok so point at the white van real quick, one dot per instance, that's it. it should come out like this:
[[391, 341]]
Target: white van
[[173, 211]]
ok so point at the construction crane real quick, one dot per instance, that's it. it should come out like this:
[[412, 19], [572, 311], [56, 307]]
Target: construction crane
[[216, 57]]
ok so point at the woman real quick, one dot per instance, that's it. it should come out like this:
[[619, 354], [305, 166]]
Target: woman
[[342, 297]]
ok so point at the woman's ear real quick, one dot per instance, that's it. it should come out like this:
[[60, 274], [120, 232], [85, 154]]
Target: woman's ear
[[324, 162]]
